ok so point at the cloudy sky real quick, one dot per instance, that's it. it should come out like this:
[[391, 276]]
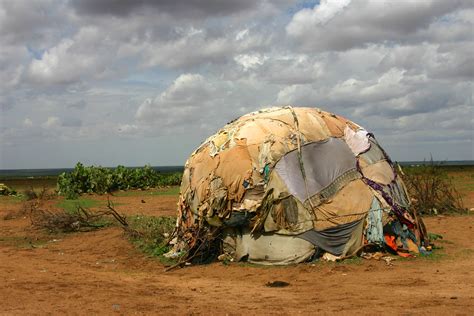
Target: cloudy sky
[[137, 82]]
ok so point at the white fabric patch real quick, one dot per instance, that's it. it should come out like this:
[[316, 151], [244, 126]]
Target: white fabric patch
[[358, 141]]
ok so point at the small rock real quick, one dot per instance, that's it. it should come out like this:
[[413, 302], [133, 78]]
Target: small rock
[[277, 284]]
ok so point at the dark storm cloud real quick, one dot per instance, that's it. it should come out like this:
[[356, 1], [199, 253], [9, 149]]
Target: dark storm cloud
[[180, 9]]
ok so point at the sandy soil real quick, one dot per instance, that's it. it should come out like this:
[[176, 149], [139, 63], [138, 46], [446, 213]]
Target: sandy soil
[[100, 272]]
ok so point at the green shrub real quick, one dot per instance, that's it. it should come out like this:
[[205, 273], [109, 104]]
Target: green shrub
[[91, 179], [152, 233], [5, 190]]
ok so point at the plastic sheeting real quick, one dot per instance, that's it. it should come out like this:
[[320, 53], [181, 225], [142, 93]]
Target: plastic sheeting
[[323, 163]]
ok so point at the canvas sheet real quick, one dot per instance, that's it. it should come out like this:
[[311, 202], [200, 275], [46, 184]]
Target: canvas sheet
[[380, 172], [350, 204], [311, 125], [335, 124], [201, 165], [235, 166]]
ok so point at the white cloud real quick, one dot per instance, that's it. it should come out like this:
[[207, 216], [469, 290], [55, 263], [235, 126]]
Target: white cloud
[[307, 19], [71, 59], [27, 122], [340, 25], [93, 71], [200, 105], [182, 99], [51, 123], [249, 61], [192, 48]]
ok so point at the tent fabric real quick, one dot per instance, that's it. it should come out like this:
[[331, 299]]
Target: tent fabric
[[380, 172], [335, 124], [234, 174], [357, 141], [329, 191], [397, 190], [266, 249], [323, 162], [350, 204], [356, 241], [374, 154], [287, 219], [374, 231], [332, 240], [282, 172]]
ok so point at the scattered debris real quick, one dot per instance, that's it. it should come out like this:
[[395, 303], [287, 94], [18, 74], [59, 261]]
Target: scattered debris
[[330, 257], [379, 256]]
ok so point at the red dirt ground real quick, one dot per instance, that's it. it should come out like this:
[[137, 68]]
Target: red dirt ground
[[100, 272]]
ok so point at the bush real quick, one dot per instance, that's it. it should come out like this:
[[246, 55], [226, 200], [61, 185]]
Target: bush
[[91, 179], [79, 219], [431, 190], [5, 190], [152, 233]]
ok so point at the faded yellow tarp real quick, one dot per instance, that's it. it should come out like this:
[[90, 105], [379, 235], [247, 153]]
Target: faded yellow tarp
[[201, 166], [235, 166], [312, 125], [336, 124]]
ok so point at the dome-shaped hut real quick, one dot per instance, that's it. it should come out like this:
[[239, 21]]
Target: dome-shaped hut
[[278, 185]]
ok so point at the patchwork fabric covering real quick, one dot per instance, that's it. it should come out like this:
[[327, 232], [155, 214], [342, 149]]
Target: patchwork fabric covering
[[278, 185]]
